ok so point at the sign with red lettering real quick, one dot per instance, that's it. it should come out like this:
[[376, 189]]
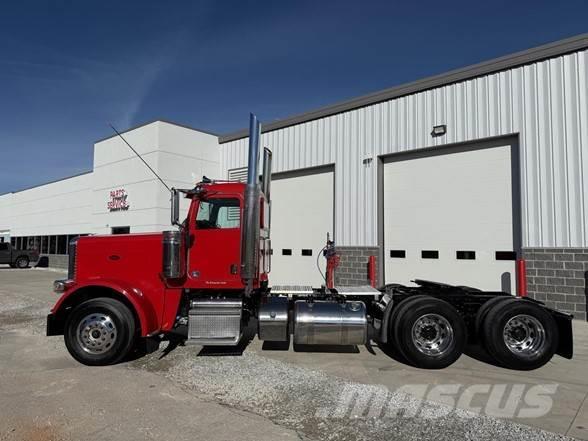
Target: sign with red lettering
[[118, 200]]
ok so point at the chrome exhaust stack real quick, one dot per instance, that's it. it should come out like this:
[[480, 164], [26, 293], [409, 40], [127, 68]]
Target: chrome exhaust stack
[[250, 230], [266, 180]]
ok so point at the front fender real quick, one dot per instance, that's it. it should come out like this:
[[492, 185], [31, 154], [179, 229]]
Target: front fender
[[146, 313]]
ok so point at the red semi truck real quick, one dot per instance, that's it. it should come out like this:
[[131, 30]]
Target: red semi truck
[[206, 280]]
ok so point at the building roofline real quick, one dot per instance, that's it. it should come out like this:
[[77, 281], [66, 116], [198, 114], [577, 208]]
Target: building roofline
[[550, 50], [47, 183], [138, 126]]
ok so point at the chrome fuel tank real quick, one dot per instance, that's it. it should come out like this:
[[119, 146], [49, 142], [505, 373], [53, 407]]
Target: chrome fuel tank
[[330, 323]]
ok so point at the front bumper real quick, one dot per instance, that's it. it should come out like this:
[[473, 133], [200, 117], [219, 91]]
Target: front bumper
[[54, 325]]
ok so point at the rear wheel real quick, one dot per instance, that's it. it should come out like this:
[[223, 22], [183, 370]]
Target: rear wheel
[[100, 331], [485, 308], [430, 333], [520, 335], [392, 344], [22, 262]]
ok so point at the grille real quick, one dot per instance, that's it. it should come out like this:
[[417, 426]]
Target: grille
[[71, 264], [238, 174]]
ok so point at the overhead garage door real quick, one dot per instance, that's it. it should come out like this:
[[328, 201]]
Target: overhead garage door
[[449, 218], [302, 214]]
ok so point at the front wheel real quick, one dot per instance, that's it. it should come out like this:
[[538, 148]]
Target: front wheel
[[430, 333], [100, 332], [22, 262]]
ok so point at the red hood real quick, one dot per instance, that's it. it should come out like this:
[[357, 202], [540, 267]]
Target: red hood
[[124, 256]]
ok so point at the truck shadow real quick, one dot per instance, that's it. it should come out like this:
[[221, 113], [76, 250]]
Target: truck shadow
[[220, 351], [148, 346], [392, 352], [477, 352], [474, 351], [329, 349]]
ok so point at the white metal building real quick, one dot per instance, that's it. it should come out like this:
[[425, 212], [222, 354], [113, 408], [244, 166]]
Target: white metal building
[[448, 178]]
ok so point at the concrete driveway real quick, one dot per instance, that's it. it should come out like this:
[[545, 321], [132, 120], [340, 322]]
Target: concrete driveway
[[261, 392]]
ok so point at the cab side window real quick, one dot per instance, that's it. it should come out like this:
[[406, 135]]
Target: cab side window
[[218, 214]]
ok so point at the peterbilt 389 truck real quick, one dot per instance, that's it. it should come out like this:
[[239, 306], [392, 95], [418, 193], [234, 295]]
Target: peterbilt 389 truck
[[208, 279]]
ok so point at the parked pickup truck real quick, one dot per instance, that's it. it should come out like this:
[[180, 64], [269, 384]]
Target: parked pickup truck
[[17, 258]]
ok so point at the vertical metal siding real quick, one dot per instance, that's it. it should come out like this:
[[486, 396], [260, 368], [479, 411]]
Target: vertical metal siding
[[546, 103]]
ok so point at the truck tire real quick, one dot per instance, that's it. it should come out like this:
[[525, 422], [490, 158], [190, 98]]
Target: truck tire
[[430, 333], [483, 312], [520, 334], [22, 262], [391, 344], [100, 332], [393, 320]]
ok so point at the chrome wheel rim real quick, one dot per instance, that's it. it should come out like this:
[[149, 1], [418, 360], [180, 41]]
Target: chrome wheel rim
[[524, 335], [22, 263], [96, 333], [432, 335]]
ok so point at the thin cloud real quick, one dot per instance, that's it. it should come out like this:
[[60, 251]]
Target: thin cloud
[[141, 74]]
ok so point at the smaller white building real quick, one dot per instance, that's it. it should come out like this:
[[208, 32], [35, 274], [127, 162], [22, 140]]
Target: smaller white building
[[119, 195]]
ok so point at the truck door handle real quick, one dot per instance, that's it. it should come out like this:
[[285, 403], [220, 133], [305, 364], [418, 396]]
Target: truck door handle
[[233, 268]]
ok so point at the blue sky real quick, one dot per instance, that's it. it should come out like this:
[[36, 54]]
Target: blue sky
[[67, 69]]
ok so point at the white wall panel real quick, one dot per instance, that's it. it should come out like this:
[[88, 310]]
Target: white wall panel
[[5, 214], [546, 103], [61, 207]]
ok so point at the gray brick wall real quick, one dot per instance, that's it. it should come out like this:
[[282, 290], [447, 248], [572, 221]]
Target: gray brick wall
[[557, 276], [353, 265]]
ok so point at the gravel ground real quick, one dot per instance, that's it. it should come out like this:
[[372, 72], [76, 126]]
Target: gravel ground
[[298, 398], [22, 311], [305, 400]]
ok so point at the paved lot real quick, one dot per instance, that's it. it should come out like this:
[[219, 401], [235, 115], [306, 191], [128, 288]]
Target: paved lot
[[188, 392]]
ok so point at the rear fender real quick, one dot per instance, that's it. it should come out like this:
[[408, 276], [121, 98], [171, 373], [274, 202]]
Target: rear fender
[[142, 309]]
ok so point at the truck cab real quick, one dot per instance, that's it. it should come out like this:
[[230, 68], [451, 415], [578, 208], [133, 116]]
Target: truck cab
[[213, 233]]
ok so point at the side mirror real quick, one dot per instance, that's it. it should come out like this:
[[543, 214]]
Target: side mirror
[[175, 206]]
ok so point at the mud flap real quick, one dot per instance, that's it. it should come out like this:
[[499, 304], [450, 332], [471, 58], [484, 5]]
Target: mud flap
[[565, 347], [54, 325]]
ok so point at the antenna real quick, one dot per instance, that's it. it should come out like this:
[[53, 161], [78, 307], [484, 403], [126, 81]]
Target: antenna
[[139, 156]]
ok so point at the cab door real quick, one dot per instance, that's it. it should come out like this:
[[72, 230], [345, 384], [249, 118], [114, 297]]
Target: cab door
[[215, 243]]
